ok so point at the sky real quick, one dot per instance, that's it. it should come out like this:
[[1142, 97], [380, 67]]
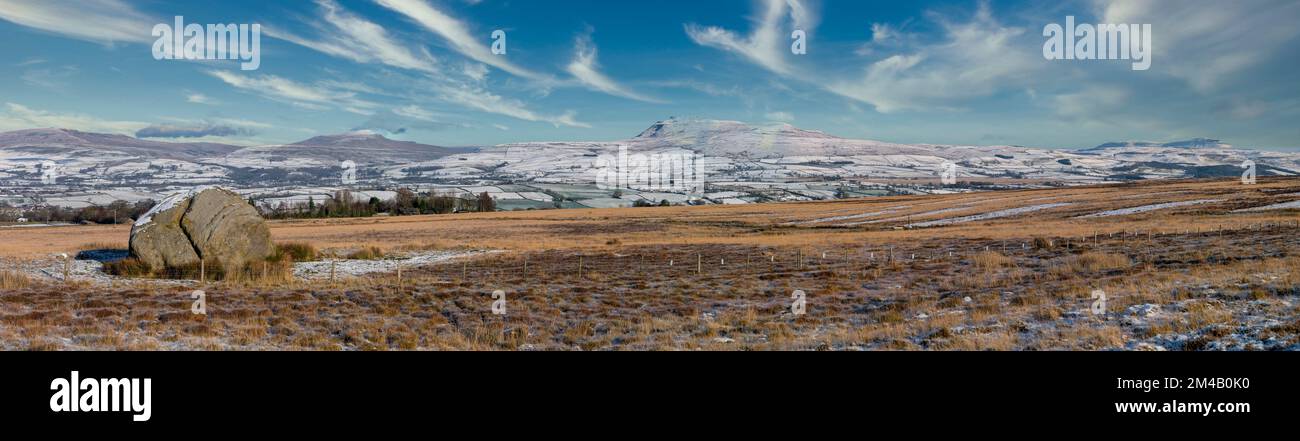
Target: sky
[[966, 72]]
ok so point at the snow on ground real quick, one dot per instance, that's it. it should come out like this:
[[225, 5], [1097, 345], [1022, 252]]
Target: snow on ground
[[51, 269], [42, 225], [1147, 195], [991, 215], [352, 268], [1146, 208], [851, 216], [1282, 206], [910, 216]]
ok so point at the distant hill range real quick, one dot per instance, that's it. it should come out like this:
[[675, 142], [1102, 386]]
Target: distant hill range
[[745, 162]]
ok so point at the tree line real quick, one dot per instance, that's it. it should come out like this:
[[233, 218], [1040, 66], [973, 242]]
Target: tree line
[[342, 204], [115, 212], [405, 202]]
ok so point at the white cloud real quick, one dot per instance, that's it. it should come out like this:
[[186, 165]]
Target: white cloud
[[101, 21], [769, 42], [357, 39], [1092, 104], [198, 98], [1206, 42], [415, 112], [478, 98], [17, 117], [457, 34], [586, 70], [53, 78], [780, 116], [975, 59], [315, 97]]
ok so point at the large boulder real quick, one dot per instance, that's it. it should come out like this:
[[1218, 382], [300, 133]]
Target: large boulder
[[207, 223]]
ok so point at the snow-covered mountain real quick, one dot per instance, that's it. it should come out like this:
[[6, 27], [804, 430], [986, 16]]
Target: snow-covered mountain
[[56, 142], [360, 147], [743, 163]]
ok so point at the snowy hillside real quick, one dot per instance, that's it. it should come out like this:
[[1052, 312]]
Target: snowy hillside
[[742, 163]]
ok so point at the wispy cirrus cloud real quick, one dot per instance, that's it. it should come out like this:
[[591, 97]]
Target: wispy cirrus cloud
[[769, 42], [478, 98], [347, 35], [1208, 42], [100, 21], [17, 116], [457, 35], [360, 40], [198, 98], [586, 70], [53, 78], [316, 97], [973, 59]]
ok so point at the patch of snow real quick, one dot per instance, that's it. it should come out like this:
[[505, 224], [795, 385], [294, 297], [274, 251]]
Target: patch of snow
[[351, 267], [169, 203], [991, 215], [1282, 206], [851, 216], [1146, 208]]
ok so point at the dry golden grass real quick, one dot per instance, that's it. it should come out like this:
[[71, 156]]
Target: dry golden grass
[[12, 280], [720, 278], [992, 260], [1094, 262]]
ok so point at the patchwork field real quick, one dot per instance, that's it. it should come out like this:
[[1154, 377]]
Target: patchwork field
[[1182, 265]]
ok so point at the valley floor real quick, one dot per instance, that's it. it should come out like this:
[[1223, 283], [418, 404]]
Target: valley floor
[[1186, 265]]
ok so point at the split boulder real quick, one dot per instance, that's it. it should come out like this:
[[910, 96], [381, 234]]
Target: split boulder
[[208, 223]]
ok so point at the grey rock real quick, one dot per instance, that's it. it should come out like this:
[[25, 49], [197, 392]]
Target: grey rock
[[208, 223]]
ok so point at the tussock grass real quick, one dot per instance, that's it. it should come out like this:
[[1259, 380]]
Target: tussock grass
[[129, 267], [367, 253], [14, 280], [1096, 262], [992, 260], [295, 251]]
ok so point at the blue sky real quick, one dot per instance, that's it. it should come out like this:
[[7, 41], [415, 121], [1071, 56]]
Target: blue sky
[[958, 72]]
